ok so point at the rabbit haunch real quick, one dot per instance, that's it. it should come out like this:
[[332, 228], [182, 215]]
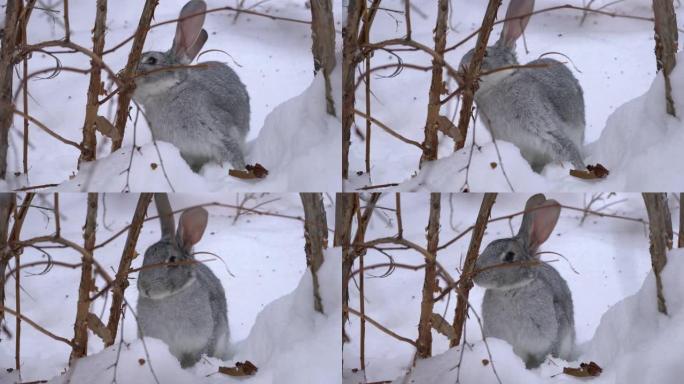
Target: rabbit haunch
[[528, 305], [540, 109], [202, 110], [183, 304]]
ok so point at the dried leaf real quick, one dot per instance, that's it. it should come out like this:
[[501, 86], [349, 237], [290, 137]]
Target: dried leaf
[[448, 128], [485, 362], [585, 370], [256, 171], [98, 328], [106, 128], [493, 165], [141, 361], [153, 166], [597, 171], [240, 369]]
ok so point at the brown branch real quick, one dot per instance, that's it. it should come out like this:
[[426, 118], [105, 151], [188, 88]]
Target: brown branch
[[464, 285], [680, 238], [377, 325], [127, 73], [660, 236], [430, 142], [350, 58], [316, 239], [469, 81], [424, 342], [388, 129], [666, 43], [7, 61], [345, 208], [35, 325], [47, 130], [121, 279], [80, 340], [323, 47]]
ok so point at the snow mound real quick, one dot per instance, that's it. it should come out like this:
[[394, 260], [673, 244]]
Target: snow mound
[[640, 145], [289, 332], [299, 144], [635, 343]]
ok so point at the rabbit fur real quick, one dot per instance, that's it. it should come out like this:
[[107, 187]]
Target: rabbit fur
[[202, 110], [529, 306], [540, 110], [184, 305]]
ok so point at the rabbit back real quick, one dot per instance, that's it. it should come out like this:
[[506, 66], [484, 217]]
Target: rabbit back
[[205, 113], [192, 322], [540, 110], [536, 319]]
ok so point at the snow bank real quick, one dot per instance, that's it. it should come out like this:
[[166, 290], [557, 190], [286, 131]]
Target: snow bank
[[288, 335], [634, 344], [300, 145]]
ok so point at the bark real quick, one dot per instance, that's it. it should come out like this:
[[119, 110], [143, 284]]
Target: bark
[[316, 236], [7, 62], [323, 48], [126, 94], [121, 280], [666, 43], [424, 341], [466, 281], [660, 236], [7, 203], [430, 142], [95, 87], [80, 341], [345, 208], [473, 71], [350, 59]]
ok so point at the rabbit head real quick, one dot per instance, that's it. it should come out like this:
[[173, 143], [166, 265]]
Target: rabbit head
[[502, 53], [151, 74], [160, 280], [539, 220]]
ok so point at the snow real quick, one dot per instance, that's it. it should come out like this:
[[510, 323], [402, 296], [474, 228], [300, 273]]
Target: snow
[[272, 58], [628, 130], [268, 288], [613, 291]]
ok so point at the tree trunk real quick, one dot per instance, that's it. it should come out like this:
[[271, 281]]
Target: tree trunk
[[7, 61], [424, 341], [660, 236], [95, 88], [80, 341], [121, 280], [126, 94], [316, 236], [466, 280], [323, 48], [350, 58], [430, 142], [666, 39], [473, 71]]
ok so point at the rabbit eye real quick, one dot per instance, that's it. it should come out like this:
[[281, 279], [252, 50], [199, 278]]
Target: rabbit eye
[[151, 60], [509, 257]]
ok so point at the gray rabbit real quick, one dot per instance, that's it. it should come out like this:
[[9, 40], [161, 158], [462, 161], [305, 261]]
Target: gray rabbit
[[184, 304], [529, 306], [540, 110], [204, 110]]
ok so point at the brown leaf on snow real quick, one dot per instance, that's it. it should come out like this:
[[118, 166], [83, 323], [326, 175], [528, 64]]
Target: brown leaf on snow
[[256, 171], [141, 361], [597, 171], [448, 128], [585, 370], [153, 166], [240, 369], [485, 362], [106, 128]]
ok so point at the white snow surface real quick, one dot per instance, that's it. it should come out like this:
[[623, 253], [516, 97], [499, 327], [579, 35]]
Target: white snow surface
[[628, 130], [272, 58], [268, 288], [616, 318]]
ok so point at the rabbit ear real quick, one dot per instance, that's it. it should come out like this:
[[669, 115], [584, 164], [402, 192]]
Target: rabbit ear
[[539, 221], [189, 31], [161, 200], [513, 29], [197, 46], [191, 227]]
